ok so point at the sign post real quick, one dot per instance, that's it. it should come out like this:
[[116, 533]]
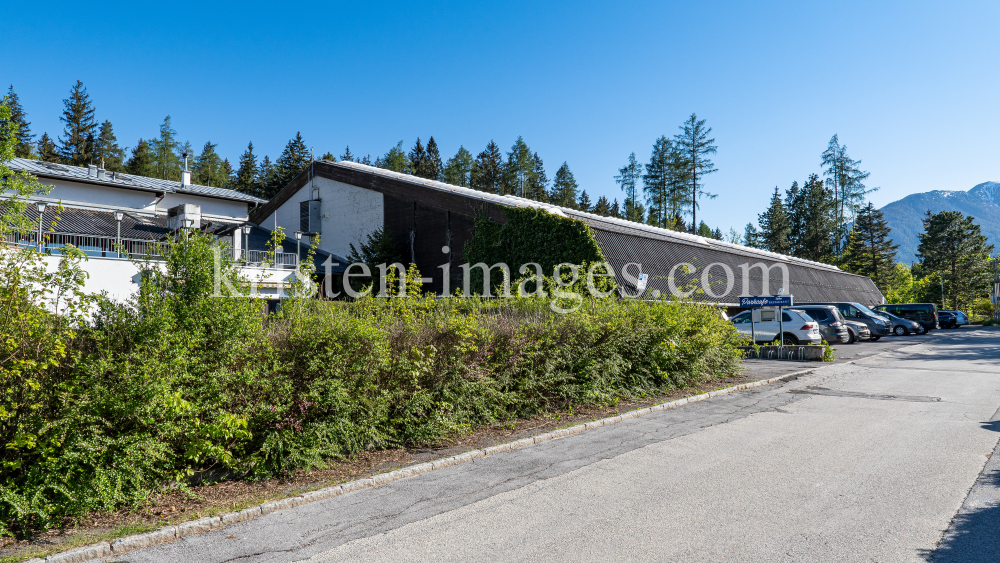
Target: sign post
[[779, 301]]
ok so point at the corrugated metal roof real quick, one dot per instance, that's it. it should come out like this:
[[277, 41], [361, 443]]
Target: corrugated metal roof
[[82, 174]]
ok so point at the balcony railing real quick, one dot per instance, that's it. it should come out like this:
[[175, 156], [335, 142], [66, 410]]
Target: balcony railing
[[108, 247]]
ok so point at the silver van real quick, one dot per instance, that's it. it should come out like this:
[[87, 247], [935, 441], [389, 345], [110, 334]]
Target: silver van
[[877, 324]]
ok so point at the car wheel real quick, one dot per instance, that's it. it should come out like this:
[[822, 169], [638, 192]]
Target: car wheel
[[850, 338], [921, 329], [900, 330]]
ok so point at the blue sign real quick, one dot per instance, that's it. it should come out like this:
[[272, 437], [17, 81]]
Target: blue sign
[[766, 301]]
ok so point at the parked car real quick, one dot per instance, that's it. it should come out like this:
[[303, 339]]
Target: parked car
[[857, 330], [901, 326], [877, 324], [955, 318], [799, 328], [831, 323], [923, 313]]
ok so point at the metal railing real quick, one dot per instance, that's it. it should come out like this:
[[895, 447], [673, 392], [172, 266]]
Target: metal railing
[[109, 247]]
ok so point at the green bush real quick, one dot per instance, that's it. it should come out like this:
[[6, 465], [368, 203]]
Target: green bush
[[182, 383]]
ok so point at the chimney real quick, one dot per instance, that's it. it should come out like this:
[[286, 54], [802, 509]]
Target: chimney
[[185, 174], [91, 171], [100, 171]]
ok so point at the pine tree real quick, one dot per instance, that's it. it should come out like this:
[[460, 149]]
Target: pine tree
[[717, 234], [106, 148], [266, 174], [810, 220], [347, 156], [78, 117], [367, 160], [564, 188], [538, 180], [584, 203], [695, 147], [751, 236], [141, 162], [434, 169], [396, 160], [46, 149], [293, 160], [847, 181], [518, 169], [628, 179], [24, 146], [458, 170], [418, 160], [207, 169], [870, 251], [328, 156], [164, 151], [615, 210], [487, 174], [774, 228], [954, 247], [602, 207], [246, 180], [226, 174], [704, 230]]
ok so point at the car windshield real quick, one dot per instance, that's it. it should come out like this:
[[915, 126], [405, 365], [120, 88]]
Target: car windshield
[[866, 310]]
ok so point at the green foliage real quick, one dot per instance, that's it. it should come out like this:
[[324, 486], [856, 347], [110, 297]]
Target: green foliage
[[164, 153], [953, 246], [870, 252], [774, 226], [77, 143], [24, 147], [829, 354], [106, 149], [458, 169]]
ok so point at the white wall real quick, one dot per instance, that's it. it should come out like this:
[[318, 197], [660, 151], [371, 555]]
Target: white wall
[[72, 192], [349, 214], [209, 206]]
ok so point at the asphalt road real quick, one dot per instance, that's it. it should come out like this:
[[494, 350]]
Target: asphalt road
[[866, 461]]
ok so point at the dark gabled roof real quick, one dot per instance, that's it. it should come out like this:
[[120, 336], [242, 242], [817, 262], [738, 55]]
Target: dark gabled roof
[[126, 181]]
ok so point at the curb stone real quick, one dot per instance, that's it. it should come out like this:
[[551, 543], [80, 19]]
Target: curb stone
[[172, 533]]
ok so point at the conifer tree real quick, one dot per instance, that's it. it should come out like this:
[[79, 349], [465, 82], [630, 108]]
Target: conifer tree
[[717, 234], [615, 210], [774, 227], [458, 169], [226, 174], [704, 230], [564, 188], [870, 251], [207, 169], [602, 207], [584, 203], [78, 117], [366, 160], [695, 146], [518, 169], [329, 157], [628, 179], [246, 180], [46, 149], [347, 156], [396, 160], [24, 146], [847, 182], [538, 180], [433, 169], [106, 148], [266, 174], [810, 220], [418, 160], [487, 174], [164, 151], [751, 236], [293, 160], [141, 162], [954, 247]]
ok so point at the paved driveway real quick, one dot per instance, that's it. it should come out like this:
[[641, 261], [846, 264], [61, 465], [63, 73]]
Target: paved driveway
[[868, 461]]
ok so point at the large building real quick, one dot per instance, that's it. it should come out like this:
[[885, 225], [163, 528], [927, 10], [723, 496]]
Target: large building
[[344, 202]]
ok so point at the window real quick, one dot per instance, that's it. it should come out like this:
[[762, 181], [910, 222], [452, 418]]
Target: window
[[767, 315], [818, 314], [743, 317]]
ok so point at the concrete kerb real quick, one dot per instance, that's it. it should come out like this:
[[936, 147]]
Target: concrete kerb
[[171, 533]]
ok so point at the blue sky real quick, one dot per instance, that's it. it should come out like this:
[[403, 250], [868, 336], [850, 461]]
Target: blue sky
[[910, 87]]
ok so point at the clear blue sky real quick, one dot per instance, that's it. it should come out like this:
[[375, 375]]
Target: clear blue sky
[[910, 87]]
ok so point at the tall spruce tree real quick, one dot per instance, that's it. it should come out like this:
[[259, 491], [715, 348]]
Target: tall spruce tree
[[293, 160], [810, 219], [847, 183], [458, 169], [24, 147], [246, 180], [537, 187], [47, 150], [396, 160], [954, 247], [207, 169], [615, 210], [487, 174], [106, 148], [226, 174], [518, 169], [75, 145], [433, 168], [141, 162], [602, 207], [583, 204], [266, 178], [870, 251], [628, 179], [774, 227], [564, 189], [418, 160], [751, 236], [695, 146], [165, 152], [347, 156]]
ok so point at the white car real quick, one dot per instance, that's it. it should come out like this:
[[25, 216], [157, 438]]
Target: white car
[[799, 328]]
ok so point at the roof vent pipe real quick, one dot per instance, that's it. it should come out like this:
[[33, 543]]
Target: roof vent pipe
[[185, 174], [100, 171]]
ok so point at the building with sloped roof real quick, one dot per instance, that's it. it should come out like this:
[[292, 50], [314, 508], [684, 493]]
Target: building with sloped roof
[[344, 202]]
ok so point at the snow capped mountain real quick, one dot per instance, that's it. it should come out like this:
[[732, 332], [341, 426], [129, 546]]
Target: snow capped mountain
[[904, 216]]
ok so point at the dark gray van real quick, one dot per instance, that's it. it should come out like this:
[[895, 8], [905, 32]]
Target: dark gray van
[[879, 326], [923, 313]]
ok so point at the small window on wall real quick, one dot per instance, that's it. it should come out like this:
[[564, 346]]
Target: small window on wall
[[304, 216]]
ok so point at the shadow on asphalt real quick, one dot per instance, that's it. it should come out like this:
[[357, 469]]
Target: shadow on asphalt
[[972, 536]]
